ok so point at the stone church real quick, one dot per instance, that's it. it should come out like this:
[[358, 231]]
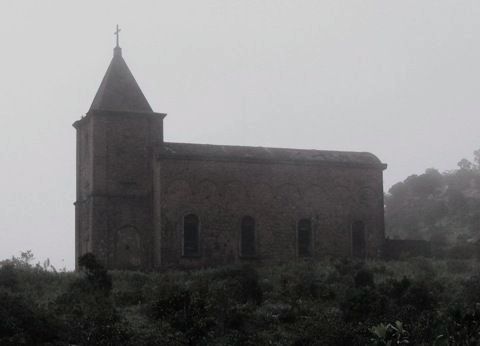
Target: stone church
[[143, 203]]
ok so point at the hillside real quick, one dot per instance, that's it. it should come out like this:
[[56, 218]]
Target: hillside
[[333, 302]]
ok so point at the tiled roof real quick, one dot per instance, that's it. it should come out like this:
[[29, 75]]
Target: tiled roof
[[255, 154]]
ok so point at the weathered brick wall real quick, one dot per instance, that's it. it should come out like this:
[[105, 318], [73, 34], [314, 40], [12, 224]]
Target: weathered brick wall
[[277, 195], [123, 229], [130, 205], [114, 208], [84, 174]]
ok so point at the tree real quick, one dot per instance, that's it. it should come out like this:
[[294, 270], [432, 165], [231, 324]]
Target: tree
[[422, 206], [465, 164]]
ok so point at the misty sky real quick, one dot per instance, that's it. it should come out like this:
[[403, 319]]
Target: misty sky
[[397, 78]]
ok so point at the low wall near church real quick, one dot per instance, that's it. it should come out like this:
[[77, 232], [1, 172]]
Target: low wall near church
[[397, 248]]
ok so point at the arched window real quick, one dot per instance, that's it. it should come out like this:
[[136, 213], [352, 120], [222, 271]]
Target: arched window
[[191, 228], [358, 239], [304, 238], [247, 237]]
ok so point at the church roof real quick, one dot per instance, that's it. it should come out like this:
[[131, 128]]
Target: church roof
[[119, 91], [262, 154]]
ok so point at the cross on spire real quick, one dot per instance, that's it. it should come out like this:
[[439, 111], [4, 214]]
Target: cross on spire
[[117, 33]]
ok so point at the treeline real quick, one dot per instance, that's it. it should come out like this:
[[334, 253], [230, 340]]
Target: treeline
[[333, 302], [442, 207]]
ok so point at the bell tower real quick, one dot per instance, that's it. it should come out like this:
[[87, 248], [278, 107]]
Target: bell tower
[[116, 141]]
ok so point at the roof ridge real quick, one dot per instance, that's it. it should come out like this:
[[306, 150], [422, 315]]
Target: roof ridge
[[264, 147], [215, 151]]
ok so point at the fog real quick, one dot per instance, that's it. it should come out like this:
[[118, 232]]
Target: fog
[[396, 78]]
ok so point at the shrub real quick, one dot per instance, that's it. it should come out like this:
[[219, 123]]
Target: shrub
[[364, 278], [185, 309], [8, 277], [458, 266], [128, 287], [363, 303], [463, 251], [96, 274], [463, 325], [244, 282], [21, 322], [420, 295], [389, 334], [471, 290], [88, 316], [325, 303], [423, 268]]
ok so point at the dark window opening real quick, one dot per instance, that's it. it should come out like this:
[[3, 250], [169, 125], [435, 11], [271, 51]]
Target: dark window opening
[[247, 239], [304, 240], [358, 239], [191, 227]]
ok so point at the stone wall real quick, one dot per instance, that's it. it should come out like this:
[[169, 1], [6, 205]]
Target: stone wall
[[399, 248], [114, 207], [131, 202], [277, 195]]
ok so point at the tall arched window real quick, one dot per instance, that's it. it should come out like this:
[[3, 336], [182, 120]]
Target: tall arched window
[[358, 239], [247, 237], [191, 230], [304, 238]]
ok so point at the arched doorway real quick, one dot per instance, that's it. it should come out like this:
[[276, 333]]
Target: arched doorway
[[127, 248]]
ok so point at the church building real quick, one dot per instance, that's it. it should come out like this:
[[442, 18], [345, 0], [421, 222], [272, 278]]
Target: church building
[[143, 203]]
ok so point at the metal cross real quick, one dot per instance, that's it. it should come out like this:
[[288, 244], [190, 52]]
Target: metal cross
[[117, 33]]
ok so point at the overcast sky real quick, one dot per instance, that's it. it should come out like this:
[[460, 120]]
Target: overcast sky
[[397, 78]]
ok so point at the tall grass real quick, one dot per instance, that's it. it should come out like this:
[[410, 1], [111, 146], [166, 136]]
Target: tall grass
[[331, 302]]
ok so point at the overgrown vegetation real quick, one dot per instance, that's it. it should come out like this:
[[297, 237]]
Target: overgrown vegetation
[[332, 302], [442, 207]]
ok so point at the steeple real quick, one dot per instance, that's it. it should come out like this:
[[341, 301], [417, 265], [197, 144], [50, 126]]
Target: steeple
[[119, 90]]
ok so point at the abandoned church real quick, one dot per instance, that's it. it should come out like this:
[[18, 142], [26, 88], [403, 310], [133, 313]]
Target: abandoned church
[[143, 203]]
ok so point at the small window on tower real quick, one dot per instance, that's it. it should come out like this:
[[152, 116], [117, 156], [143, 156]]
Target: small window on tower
[[304, 238], [191, 230], [247, 237]]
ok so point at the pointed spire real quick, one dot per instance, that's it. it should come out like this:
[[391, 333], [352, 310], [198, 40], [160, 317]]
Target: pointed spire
[[119, 90]]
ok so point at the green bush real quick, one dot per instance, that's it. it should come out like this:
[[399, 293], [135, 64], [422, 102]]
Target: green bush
[[128, 287], [22, 322], [8, 277], [331, 302]]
